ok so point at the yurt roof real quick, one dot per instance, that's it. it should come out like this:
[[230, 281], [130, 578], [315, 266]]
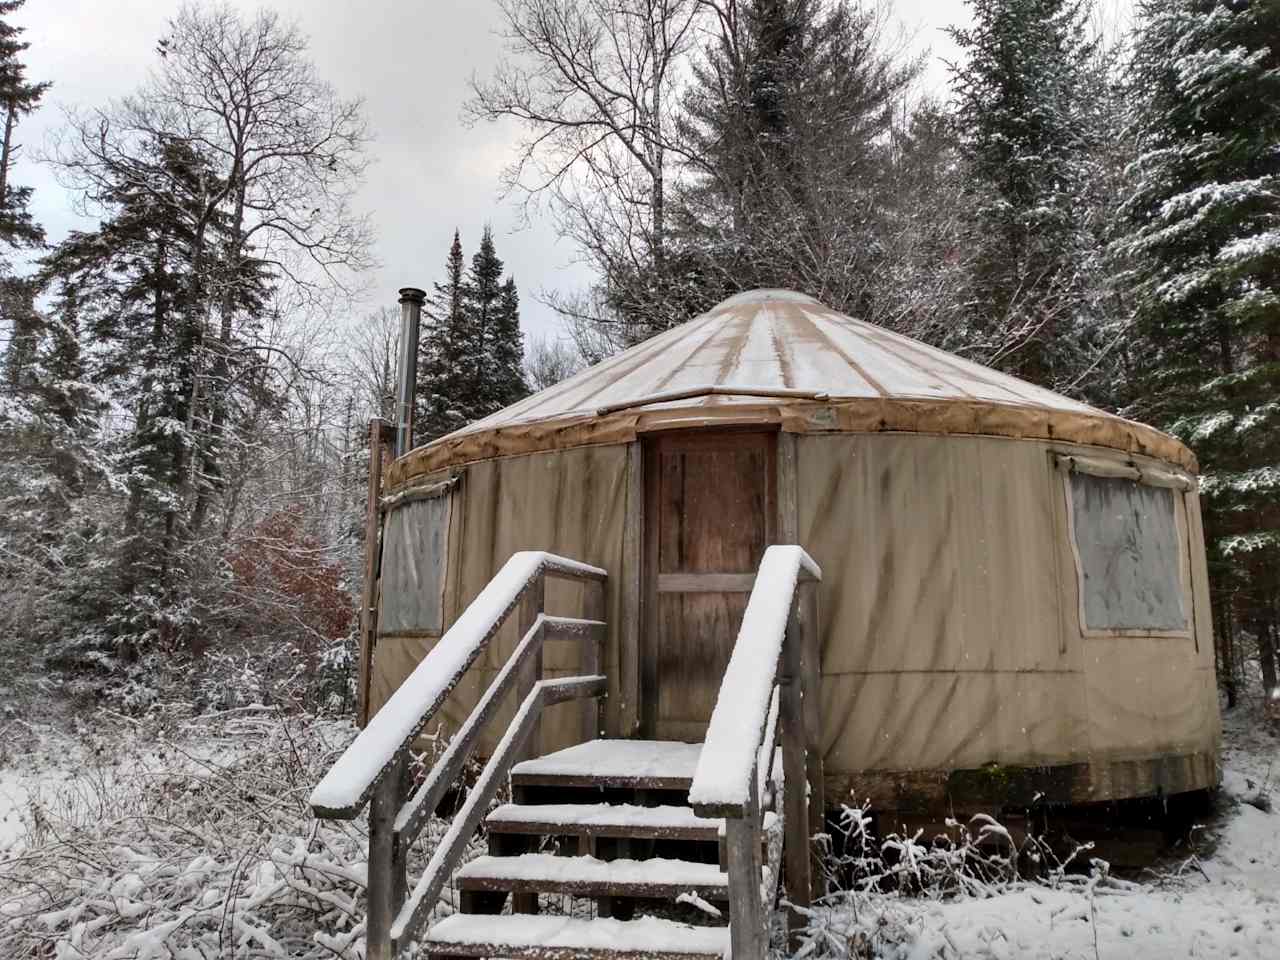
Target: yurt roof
[[777, 356]]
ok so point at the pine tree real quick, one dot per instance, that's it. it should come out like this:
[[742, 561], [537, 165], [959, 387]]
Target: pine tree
[[63, 384], [1203, 252], [18, 97], [785, 124], [18, 312], [483, 292], [470, 355], [151, 291], [506, 349], [439, 377], [1023, 96]]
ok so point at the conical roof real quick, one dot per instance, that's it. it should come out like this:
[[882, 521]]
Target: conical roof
[[783, 357]]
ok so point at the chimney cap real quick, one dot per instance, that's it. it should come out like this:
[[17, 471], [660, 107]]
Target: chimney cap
[[412, 295]]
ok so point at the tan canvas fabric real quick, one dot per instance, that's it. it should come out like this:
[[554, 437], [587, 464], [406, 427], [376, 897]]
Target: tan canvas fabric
[[950, 603], [951, 634], [571, 503]]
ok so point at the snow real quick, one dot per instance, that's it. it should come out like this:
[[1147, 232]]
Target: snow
[[730, 749], [1251, 248], [349, 781], [774, 340], [617, 759], [14, 798], [177, 837], [152, 838], [763, 295], [620, 815], [644, 935], [1219, 899], [554, 869]]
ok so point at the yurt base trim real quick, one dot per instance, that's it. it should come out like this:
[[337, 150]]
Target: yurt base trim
[[989, 788], [950, 417]]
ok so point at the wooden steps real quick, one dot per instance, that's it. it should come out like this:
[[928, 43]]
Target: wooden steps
[[653, 879], [604, 820], [629, 764], [636, 841], [525, 937]]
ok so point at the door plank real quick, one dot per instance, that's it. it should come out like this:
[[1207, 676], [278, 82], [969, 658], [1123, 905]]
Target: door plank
[[706, 582], [712, 507]]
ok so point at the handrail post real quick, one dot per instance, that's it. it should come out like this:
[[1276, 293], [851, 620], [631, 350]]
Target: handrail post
[[533, 602], [387, 878], [379, 439], [592, 657], [810, 649], [745, 868], [795, 750]]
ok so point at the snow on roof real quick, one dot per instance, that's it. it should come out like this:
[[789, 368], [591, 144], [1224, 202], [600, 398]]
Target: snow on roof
[[775, 340]]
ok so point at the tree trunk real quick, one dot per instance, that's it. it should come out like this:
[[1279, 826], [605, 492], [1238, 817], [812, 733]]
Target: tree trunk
[[1225, 644], [1267, 655], [6, 153], [211, 461]]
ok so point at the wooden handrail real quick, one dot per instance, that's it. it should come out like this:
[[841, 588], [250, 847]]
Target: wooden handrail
[[772, 677], [345, 789], [721, 782], [419, 808], [454, 843]]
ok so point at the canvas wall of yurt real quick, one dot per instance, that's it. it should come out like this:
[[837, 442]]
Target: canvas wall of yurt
[[1014, 601]]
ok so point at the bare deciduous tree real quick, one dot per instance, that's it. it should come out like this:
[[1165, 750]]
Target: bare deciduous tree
[[284, 155], [549, 361], [592, 82]]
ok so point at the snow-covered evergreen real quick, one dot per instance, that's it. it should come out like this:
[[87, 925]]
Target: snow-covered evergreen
[[1025, 95], [1203, 256], [470, 350]]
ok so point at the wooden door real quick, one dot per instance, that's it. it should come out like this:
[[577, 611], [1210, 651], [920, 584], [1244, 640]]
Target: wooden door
[[711, 509]]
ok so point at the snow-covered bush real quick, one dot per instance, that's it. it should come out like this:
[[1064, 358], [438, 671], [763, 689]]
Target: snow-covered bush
[[186, 837], [876, 884]]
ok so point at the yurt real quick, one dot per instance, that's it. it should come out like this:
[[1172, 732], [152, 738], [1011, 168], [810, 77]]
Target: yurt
[[1014, 598]]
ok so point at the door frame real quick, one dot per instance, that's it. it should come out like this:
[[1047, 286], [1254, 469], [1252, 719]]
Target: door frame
[[694, 438]]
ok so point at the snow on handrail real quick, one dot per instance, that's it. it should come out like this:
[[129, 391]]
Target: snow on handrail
[[723, 775], [342, 791]]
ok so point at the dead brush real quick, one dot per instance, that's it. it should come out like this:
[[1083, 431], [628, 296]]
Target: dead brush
[[878, 884], [189, 837]]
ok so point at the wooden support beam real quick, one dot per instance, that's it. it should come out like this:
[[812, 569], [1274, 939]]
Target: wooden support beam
[[592, 658], [380, 436], [422, 805], [632, 613], [810, 646], [532, 604], [387, 876], [788, 490], [795, 779], [746, 909]]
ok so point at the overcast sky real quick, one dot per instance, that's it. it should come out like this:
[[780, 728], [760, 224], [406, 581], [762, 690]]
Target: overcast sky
[[410, 60]]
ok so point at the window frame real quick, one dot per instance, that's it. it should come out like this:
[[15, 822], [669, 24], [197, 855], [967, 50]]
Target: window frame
[[447, 490], [1179, 485]]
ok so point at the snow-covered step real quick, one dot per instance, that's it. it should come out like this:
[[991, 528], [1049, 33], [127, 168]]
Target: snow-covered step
[[638, 764], [603, 820], [656, 878], [524, 937]]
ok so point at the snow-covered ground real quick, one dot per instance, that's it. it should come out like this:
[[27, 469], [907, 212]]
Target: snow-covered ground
[[1221, 900], [190, 838]]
